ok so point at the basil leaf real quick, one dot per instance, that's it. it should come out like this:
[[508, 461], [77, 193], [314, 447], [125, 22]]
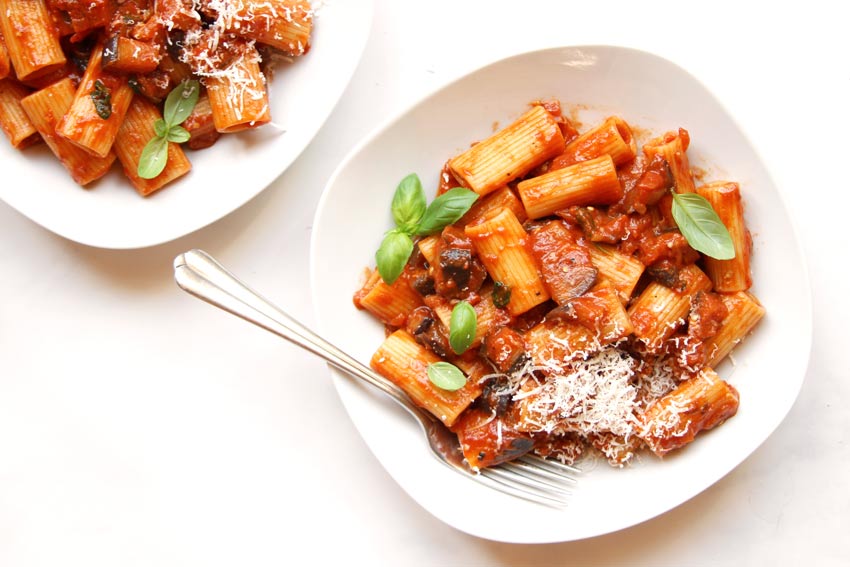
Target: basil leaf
[[446, 376], [393, 254], [408, 203], [178, 134], [102, 99], [501, 294], [180, 102], [701, 226], [445, 210], [160, 128], [153, 158], [462, 327]]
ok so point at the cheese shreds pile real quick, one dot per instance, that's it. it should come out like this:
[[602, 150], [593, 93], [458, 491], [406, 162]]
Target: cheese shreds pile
[[588, 395], [654, 380], [213, 51]]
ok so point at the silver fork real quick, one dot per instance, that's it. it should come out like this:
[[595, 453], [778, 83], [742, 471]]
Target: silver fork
[[531, 478]]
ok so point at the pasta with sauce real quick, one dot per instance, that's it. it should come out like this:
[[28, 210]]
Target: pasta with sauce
[[609, 338], [122, 58]]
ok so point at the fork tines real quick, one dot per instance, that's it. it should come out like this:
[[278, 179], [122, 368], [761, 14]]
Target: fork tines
[[532, 478]]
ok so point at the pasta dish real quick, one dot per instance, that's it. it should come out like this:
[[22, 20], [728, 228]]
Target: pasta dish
[[132, 80], [566, 293]]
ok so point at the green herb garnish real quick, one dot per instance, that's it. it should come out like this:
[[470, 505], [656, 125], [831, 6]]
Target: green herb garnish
[[446, 376], [445, 210], [412, 217], [501, 294], [462, 327], [100, 96], [701, 227], [178, 106], [409, 203], [393, 254]]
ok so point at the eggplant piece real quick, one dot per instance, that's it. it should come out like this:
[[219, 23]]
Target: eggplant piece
[[456, 264], [424, 285], [458, 271], [422, 324], [564, 261], [653, 184], [504, 347], [495, 397], [125, 55]]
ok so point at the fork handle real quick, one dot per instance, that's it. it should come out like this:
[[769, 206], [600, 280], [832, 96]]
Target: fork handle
[[201, 275]]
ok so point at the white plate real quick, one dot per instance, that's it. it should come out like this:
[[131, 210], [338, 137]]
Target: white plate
[[649, 92], [112, 215]]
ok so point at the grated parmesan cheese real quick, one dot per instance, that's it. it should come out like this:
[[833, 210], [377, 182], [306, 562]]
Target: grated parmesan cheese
[[592, 394]]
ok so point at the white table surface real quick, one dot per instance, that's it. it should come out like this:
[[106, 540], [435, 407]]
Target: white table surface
[[139, 426]]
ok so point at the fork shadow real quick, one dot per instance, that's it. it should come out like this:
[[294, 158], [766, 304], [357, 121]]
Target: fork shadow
[[149, 270]]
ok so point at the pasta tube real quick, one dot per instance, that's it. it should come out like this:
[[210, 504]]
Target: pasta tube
[[132, 137], [238, 97], [660, 310], [404, 362], [743, 313], [673, 146], [98, 109], [733, 274], [500, 244], [699, 403], [13, 119], [44, 108], [613, 137], [592, 182], [32, 43], [510, 153]]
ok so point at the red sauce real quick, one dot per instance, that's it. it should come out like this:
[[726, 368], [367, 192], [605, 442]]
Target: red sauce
[[447, 180], [488, 441]]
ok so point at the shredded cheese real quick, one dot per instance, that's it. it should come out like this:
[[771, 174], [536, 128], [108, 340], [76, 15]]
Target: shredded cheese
[[589, 394]]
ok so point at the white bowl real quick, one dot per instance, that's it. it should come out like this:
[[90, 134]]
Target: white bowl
[[110, 214], [648, 92]]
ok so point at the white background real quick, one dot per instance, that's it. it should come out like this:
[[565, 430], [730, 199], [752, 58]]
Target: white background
[[139, 426]]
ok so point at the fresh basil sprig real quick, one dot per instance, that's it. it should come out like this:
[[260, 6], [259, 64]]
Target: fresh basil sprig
[[178, 106], [701, 227], [393, 254], [101, 97], [409, 203], [501, 294], [446, 376], [445, 210], [462, 327], [412, 217]]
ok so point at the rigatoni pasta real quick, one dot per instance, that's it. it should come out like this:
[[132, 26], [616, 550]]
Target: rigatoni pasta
[[672, 147], [500, 243], [613, 137], [13, 119], [130, 141], [595, 327], [238, 98], [28, 33], [588, 182], [729, 275], [100, 102], [661, 309], [44, 108], [283, 24], [531, 140], [5, 64], [404, 362], [744, 311]]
